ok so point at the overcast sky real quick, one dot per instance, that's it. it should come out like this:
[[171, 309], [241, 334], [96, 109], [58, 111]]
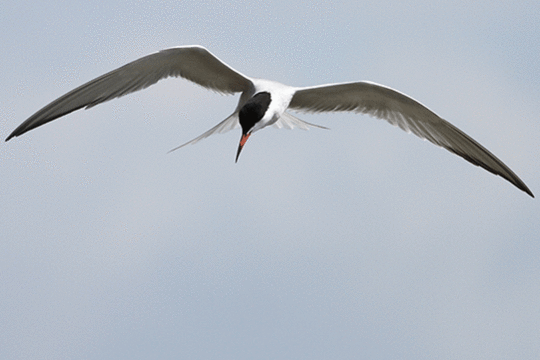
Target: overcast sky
[[355, 242]]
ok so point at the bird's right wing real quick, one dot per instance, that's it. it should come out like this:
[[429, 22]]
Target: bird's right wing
[[193, 63]]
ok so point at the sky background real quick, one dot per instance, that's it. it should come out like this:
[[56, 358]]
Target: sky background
[[355, 242]]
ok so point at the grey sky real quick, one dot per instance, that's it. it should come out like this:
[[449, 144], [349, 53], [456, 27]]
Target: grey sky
[[357, 242]]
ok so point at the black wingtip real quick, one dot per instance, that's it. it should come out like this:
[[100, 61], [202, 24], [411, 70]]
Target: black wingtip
[[528, 192], [520, 185], [12, 135], [21, 129]]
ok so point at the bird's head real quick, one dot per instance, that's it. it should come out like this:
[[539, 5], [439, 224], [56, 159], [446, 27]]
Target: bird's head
[[251, 113]]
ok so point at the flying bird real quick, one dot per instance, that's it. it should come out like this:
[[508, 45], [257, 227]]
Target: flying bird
[[264, 102]]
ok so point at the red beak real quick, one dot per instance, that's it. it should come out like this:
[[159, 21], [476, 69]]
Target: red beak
[[241, 145]]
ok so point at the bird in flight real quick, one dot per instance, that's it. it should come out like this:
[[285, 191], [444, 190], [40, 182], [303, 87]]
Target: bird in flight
[[264, 102]]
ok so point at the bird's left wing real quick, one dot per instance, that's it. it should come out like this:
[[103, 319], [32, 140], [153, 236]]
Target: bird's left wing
[[193, 63], [403, 111]]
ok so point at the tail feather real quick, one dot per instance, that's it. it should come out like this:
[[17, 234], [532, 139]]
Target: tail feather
[[288, 121], [228, 124]]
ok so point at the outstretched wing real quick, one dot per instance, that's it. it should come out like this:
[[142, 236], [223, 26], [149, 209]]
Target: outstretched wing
[[193, 63], [400, 110]]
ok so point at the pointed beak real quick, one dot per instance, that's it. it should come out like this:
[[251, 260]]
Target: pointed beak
[[241, 145]]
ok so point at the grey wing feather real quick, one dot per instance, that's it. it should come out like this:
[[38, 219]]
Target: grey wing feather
[[193, 63], [403, 111]]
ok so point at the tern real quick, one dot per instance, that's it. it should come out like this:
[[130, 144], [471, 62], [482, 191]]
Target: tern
[[264, 102]]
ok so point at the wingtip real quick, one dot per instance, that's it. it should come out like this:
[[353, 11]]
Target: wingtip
[[521, 186]]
